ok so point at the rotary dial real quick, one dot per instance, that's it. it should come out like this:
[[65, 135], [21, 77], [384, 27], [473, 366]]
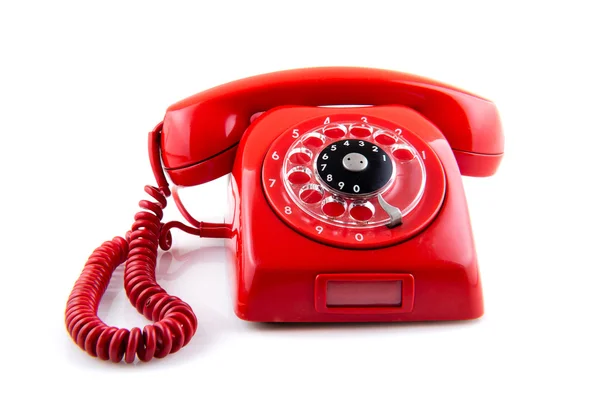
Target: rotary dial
[[354, 174], [354, 167], [353, 180]]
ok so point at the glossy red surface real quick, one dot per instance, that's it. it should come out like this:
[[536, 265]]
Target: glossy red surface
[[275, 267], [481, 165], [203, 126]]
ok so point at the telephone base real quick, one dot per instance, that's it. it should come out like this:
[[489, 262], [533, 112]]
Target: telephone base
[[282, 274]]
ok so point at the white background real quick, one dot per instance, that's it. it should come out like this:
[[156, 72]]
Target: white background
[[82, 84]]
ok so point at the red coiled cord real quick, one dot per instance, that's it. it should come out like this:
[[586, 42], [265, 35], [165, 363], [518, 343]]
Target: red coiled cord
[[174, 321]]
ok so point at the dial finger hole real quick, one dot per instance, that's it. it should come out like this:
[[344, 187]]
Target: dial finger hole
[[300, 156], [385, 138], [299, 175], [403, 154], [362, 211], [311, 193], [314, 139], [335, 131], [333, 207], [361, 131]]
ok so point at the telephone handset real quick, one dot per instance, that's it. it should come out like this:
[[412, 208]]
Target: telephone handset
[[347, 213]]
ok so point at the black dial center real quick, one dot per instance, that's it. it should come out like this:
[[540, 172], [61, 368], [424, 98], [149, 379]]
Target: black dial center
[[354, 167]]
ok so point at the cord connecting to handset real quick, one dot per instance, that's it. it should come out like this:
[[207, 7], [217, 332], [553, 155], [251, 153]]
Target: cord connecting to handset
[[174, 322]]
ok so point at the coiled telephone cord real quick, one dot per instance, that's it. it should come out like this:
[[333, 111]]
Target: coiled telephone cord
[[174, 322]]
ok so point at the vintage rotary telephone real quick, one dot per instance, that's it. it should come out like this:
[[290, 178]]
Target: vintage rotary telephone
[[352, 213]]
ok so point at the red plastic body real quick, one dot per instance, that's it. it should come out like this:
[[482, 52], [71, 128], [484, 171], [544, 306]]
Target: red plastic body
[[280, 274], [200, 134]]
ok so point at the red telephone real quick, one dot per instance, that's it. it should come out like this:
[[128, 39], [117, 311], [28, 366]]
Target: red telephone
[[353, 213]]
